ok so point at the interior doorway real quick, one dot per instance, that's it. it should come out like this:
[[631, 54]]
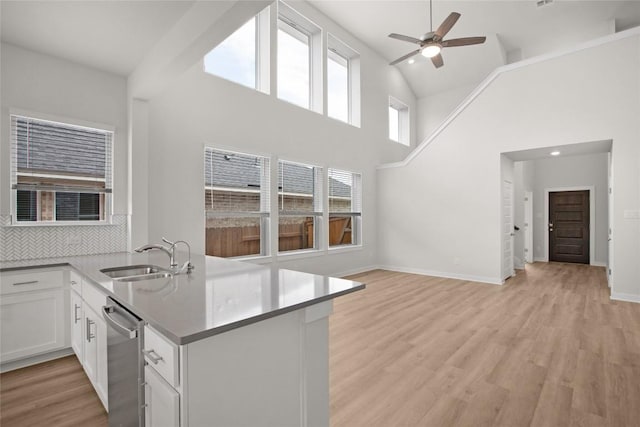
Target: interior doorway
[[569, 226]]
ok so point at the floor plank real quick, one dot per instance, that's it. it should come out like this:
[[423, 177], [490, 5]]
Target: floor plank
[[549, 348]]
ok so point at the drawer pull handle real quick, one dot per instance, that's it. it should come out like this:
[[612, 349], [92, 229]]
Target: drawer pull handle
[[150, 354], [32, 282], [75, 313], [90, 336]]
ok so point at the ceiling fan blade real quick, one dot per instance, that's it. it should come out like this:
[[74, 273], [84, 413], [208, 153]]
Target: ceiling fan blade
[[405, 38], [446, 26], [437, 61], [465, 41], [408, 55]]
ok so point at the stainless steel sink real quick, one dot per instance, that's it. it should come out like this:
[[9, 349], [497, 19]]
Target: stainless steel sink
[[134, 273]]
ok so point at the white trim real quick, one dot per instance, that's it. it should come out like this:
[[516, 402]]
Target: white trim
[[472, 278], [504, 69], [354, 271], [599, 264], [592, 218], [71, 122], [29, 361], [625, 297]]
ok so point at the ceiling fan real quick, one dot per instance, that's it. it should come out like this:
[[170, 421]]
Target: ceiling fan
[[433, 42]]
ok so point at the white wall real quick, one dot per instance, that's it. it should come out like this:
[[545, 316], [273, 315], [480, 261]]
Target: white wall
[[200, 109], [572, 171], [434, 109], [444, 204], [45, 84], [61, 90]]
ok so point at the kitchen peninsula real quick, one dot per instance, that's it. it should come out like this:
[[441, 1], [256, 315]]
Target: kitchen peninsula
[[232, 343]]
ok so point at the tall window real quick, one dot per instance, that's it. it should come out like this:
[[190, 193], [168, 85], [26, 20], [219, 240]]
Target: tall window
[[299, 205], [345, 208], [236, 203], [60, 172], [343, 82], [398, 121], [299, 72], [243, 57]]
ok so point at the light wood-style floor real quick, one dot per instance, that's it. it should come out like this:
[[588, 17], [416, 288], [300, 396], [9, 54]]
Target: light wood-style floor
[[56, 393], [547, 349]]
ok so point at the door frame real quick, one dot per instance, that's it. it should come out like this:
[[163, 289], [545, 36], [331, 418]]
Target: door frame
[[511, 265], [528, 230], [592, 218]]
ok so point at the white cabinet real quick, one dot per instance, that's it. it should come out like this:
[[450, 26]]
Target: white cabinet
[[89, 333], [162, 402], [32, 314]]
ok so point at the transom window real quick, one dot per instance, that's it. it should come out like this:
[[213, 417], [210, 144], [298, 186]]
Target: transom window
[[59, 172], [299, 205], [236, 203], [343, 82], [398, 122], [299, 59]]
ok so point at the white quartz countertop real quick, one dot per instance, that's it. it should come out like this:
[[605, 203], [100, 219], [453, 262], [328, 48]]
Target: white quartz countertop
[[219, 295]]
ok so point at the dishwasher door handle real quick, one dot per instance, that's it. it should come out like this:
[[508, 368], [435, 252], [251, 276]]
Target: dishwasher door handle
[[123, 330]]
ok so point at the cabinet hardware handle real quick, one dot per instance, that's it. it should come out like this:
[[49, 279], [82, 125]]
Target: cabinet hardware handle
[[150, 354], [32, 282], [89, 334], [75, 313]]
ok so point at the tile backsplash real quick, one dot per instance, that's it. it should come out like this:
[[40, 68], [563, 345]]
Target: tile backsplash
[[18, 243]]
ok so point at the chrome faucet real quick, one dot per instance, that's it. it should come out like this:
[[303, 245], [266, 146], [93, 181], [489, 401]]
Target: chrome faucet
[[170, 251]]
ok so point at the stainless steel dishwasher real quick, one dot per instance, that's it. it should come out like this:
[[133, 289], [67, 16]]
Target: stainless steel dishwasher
[[125, 366]]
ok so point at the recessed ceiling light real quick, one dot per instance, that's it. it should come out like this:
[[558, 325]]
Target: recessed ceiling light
[[411, 61], [555, 153]]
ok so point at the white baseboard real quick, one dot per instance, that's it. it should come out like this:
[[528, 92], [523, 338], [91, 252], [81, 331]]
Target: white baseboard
[[625, 297], [599, 264], [356, 271], [481, 279], [22, 363], [538, 259]]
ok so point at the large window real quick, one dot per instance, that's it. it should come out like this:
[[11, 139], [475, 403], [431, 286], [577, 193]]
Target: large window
[[299, 71], [236, 203], [60, 172], [299, 205], [343, 82], [398, 121], [243, 57], [345, 208]]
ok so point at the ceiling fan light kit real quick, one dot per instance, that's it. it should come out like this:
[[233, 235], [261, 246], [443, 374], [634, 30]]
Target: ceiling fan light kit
[[431, 44], [431, 50]]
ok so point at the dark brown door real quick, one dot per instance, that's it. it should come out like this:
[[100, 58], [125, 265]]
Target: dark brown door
[[569, 226]]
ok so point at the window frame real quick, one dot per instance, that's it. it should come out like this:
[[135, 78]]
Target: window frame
[[13, 168], [336, 47], [265, 203], [404, 127], [262, 52], [356, 211], [288, 18], [317, 214]]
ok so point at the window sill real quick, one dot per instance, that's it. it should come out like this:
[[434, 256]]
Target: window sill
[[60, 224], [300, 254], [344, 248]]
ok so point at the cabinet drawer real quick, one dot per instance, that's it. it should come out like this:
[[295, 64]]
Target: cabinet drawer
[[91, 295], [161, 355], [75, 282], [22, 281]]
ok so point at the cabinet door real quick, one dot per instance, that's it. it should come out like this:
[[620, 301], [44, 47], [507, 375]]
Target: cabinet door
[[77, 322], [90, 361], [32, 323], [162, 402], [102, 381]]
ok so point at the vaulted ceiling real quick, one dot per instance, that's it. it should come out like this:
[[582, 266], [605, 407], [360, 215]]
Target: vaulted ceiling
[[115, 35]]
